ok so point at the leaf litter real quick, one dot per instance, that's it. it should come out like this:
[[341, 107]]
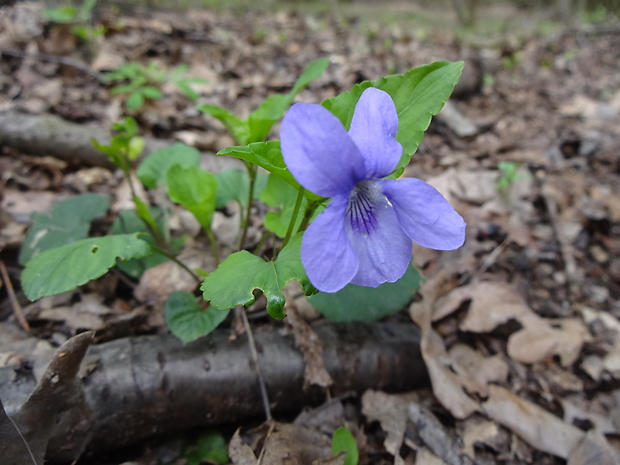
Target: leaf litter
[[520, 327]]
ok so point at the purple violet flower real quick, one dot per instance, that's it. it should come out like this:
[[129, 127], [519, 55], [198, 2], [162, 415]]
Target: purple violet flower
[[364, 235]]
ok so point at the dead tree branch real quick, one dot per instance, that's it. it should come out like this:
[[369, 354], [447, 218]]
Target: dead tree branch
[[137, 387]]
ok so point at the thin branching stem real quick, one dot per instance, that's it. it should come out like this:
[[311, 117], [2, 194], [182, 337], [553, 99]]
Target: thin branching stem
[[310, 209], [291, 226], [168, 255], [261, 380], [245, 223]]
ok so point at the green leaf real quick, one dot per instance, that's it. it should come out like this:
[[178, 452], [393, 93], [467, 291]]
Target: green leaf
[[263, 118], [282, 196], [186, 88], [153, 168], [312, 71], [61, 15], [343, 440], [115, 155], [151, 92], [418, 95], [234, 184], [210, 448], [187, 320], [128, 221], [135, 148], [68, 222], [358, 303], [195, 189], [273, 108], [69, 266], [144, 212], [135, 100], [241, 273], [236, 126], [267, 155]]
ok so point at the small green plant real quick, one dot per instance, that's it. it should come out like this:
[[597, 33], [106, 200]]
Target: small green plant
[[597, 15], [210, 448], [80, 18], [510, 62], [343, 441], [350, 149], [143, 83], [510, 173]]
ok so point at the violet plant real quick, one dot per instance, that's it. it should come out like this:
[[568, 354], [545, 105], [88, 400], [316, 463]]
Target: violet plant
[[341, 223]]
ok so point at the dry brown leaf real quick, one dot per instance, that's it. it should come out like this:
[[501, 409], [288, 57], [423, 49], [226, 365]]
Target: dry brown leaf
[[476, 187], [594, 449], [310, 346], [436, 436], [426, 457], [21, 205], [448, 304], [493, 303], [611, 361], [158, 282], [475, 370], [391, 411], [446, 385], [240, 453], [577, 408], [532, 423], [539, 340], [290, 444], [479, 431], [107, 58], [335, 460]]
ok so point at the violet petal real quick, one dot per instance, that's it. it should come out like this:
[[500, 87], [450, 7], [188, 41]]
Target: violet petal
[[381, 246], [373, 129], [319, 152], [326, 254], [424, 214]]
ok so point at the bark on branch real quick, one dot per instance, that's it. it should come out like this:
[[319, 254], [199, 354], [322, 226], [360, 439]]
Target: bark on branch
[[141, 386], [42, 135]]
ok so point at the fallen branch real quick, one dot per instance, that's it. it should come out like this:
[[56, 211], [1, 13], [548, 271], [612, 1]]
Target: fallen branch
[[43, 135], [137, 387]]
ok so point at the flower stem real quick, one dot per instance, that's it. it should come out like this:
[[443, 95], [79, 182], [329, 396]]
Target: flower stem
[[245, 222], [168, 255], [310, 209], [291, 225]]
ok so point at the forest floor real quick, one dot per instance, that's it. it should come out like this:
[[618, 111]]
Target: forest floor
[[520, 327]]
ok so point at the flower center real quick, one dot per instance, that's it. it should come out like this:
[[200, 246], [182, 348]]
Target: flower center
[[364, 200]]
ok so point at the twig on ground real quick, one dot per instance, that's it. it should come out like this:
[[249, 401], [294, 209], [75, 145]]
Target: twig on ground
[[17, 308], [261, 380]]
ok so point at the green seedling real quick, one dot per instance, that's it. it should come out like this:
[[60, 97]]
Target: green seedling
[[144, 83]]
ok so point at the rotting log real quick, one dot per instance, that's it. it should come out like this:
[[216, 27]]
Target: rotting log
[[141, 386], [49, 135]]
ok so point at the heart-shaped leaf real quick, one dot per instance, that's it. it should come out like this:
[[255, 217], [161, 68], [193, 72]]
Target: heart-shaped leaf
[[187, 320], [65, 268], [235, 280]]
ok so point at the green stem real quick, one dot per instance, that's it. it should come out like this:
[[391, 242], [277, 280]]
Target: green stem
[[168, 255], [291, 225], [308, 215], [150, 223], [258, 250], [245, 223]]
